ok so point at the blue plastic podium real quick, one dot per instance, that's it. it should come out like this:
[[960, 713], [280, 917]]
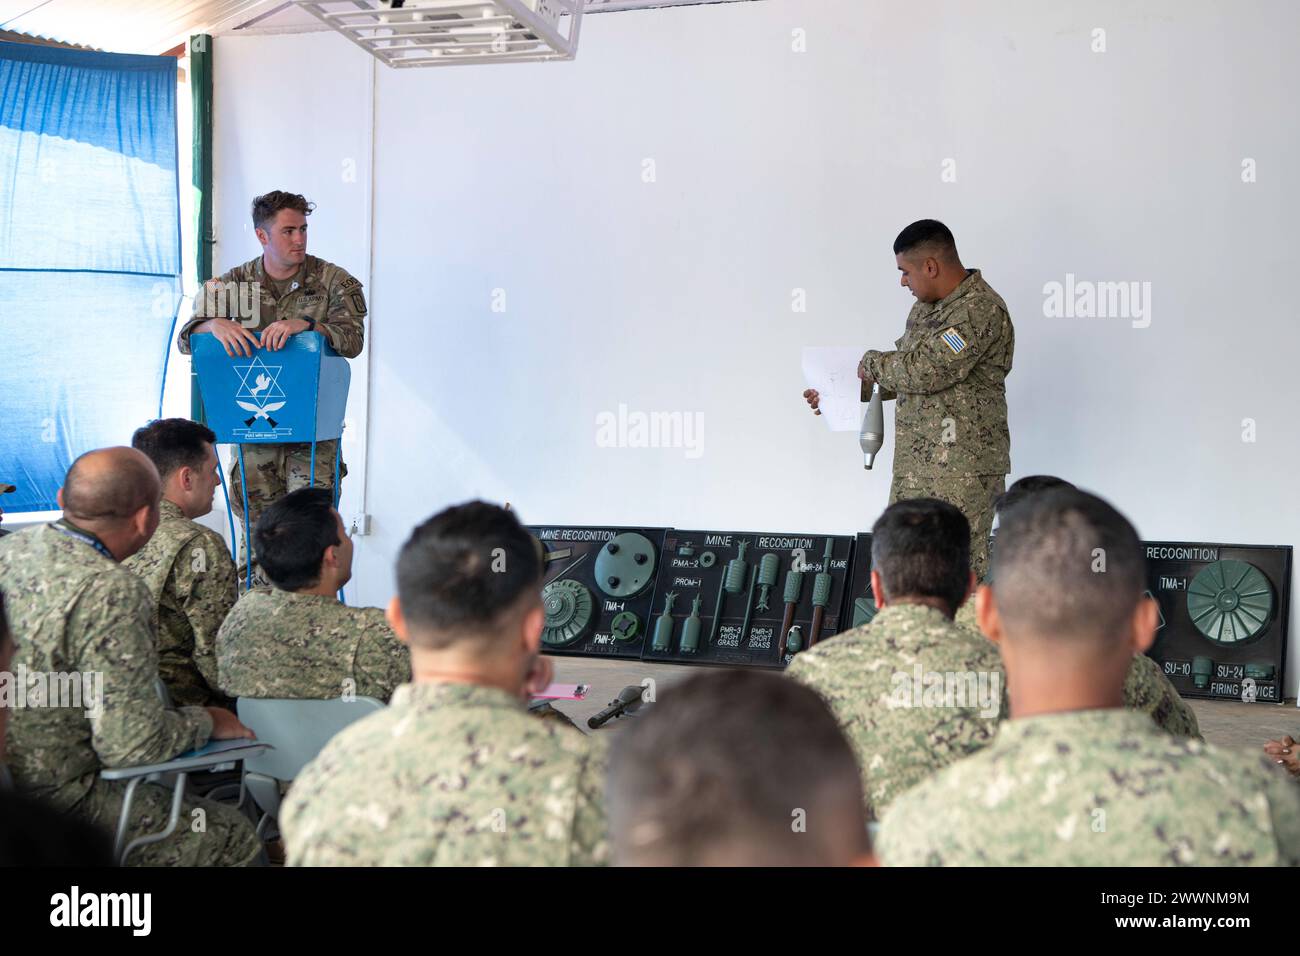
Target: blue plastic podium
[[296, 395]]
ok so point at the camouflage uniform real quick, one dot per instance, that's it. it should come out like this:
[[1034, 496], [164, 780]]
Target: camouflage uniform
[[74, 610], [320, 291], [1146, 688], [950, 422], [450, 775], [899, 740], [1096, 788], [192, 581], [308, 647]]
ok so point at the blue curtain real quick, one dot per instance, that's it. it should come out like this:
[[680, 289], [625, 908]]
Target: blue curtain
[[90, 256]]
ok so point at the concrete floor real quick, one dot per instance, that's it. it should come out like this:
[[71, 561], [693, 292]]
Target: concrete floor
[[1227, 723]]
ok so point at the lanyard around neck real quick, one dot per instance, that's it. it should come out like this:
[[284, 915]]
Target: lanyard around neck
[[83, 537]]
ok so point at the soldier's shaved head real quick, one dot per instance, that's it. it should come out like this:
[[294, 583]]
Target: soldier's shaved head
[[1067, 567], [109, 485]]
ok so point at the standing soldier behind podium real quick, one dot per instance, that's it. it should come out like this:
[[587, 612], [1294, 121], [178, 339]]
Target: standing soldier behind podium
[[281, 293], [948, 373]]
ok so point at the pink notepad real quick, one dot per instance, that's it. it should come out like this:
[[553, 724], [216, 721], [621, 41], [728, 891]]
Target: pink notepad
[[562, 692]]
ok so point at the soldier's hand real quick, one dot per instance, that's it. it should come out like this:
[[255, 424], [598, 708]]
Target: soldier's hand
[[813, 400], [277, 333], [236, 339], [226, 726], [1284, 752]]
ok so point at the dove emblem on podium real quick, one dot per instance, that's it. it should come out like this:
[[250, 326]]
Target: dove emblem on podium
[[264, 395]]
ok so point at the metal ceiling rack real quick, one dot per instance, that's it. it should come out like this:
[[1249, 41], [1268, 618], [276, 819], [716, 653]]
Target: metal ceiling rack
[[450, 32]]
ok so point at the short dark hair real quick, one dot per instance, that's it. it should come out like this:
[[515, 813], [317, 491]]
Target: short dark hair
[[930, 233], [1025, 487], [465, 566], [1067, 565], [292, 535], [715, 773], [173, 443], [921, 547], [266, 206]]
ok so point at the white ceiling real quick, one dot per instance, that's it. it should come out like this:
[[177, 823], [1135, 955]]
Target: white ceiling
[[155, 26]]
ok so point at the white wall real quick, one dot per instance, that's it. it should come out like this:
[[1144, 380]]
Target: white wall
[[779, 170]]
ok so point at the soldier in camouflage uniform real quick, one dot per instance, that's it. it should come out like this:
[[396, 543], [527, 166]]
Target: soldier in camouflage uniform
[[1073, 778], [951, 439], [295, 639], [187, 567], [874, 677], [75, 612], [282, 292], [454, 772], [1146, 688]]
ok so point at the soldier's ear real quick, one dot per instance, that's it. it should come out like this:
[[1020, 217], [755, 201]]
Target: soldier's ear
[[58, 496], [877, 589], [986, 614], [393, 613], [1146, 619]]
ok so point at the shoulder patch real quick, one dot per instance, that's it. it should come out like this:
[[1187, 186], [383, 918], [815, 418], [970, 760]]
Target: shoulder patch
[[952, 338], [348, 284]]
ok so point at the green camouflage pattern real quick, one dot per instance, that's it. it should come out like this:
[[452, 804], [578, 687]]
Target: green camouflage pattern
[[280, 644], [74, 611], [951, 412], [1096, 788], [899, 739], [450, 775], [320, 291], [191, 578]]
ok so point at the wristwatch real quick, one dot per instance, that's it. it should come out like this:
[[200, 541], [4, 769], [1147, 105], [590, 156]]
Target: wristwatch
[[311, 323]]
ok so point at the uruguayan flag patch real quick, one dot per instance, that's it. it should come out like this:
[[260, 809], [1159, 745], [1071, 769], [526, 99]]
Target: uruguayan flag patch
[[954, 341]]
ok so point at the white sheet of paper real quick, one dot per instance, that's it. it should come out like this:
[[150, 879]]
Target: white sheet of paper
[[833, 371]]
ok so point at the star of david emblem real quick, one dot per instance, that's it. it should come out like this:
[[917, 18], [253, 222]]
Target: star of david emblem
[[260, 383]]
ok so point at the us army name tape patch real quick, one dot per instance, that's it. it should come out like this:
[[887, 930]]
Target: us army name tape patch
[[954, 341]]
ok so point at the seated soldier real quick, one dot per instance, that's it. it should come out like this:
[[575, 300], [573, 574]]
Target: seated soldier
[[454, 772], [1074, 778], [912, 691], [31, 832], [1146, 688], [297, 640], [188, 568], [737, 768], [76, 613]]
